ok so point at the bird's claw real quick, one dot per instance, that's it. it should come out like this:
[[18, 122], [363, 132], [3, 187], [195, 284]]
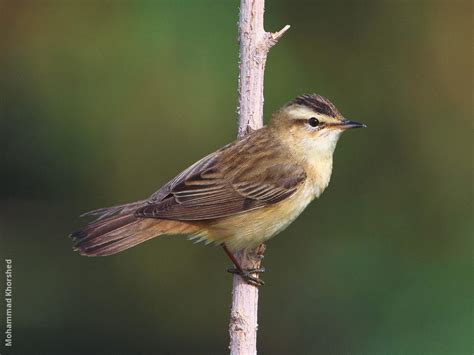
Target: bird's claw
[[247, 275]]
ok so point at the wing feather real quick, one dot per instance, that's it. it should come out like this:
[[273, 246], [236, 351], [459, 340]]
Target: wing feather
[[219, 197]]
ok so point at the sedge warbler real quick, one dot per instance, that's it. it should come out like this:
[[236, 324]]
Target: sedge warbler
[[239, 196]]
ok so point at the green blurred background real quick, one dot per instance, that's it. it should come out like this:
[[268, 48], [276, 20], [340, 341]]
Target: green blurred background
[[101, 102]]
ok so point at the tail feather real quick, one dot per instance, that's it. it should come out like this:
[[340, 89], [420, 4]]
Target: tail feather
[[102, 227], [115, 234], [105, 212], [117, 245]]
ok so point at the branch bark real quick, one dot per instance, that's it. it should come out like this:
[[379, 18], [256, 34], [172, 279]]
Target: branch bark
[[254, 46]]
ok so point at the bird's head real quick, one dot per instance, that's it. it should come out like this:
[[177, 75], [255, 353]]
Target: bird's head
[[311, 124]]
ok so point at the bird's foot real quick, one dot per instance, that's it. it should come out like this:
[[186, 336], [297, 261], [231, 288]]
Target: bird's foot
[[247, 275]]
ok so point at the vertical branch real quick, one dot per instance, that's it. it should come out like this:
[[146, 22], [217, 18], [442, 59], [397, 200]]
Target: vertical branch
[[254, 46]]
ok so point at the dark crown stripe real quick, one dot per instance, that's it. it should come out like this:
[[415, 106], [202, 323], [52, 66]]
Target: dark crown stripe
[[317, 103]]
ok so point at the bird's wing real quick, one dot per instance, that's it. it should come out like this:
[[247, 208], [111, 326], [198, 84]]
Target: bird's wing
[[213, 188], [200, 165]]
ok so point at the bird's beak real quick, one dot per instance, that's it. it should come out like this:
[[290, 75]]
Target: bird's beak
[[346, 124]]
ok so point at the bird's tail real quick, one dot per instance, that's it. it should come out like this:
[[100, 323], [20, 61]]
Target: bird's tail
[[115, 234]]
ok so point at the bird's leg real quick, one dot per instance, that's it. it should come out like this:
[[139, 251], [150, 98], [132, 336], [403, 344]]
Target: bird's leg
[[261, 250], [245, 274]]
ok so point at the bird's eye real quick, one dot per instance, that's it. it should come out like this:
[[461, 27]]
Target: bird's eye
[[313, 122]]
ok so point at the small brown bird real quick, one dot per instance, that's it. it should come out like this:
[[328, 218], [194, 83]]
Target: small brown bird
[[239, 196]]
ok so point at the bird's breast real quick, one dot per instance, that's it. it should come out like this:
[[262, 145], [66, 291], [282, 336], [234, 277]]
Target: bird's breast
[[318, 171]]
